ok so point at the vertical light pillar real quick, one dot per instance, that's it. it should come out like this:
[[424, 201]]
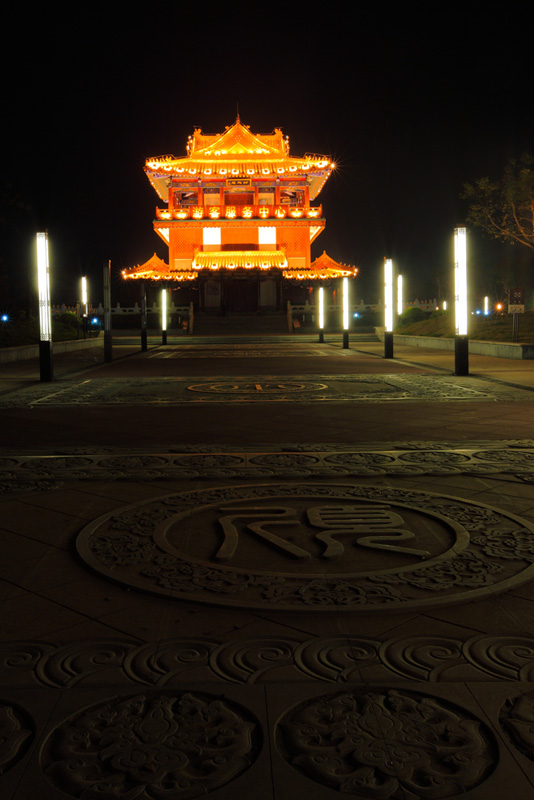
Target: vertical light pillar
[[388, 308], [321, 314], [144, 341], [108, 342], [45, 312], [84, 306], [345, 313], [84, 296], [400, 299], [164, 316], [461, 341], [486, 306]]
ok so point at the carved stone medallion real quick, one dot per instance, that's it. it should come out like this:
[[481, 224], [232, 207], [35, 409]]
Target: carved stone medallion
[[517, 720], [319, 546], [387, 744], [256, 388], [152, 746], [16, 732]]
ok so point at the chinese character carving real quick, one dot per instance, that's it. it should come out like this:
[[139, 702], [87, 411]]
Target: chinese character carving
[[379, 521]]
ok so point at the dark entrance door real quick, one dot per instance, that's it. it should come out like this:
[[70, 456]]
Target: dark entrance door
[[240, 295]]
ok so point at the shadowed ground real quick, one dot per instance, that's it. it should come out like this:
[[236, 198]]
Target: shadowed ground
[[270, 567]]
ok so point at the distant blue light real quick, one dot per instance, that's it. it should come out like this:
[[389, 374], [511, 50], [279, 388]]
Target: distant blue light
[[356, 314], [4, 318], [478, 311], [94, 321]]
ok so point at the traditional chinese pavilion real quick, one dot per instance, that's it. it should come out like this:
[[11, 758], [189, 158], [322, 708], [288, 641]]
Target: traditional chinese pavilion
[[238, 219]]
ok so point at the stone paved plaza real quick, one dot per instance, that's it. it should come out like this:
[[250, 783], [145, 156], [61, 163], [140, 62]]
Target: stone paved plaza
[[269, 569]]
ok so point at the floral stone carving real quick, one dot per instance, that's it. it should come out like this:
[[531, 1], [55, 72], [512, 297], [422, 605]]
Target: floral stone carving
[[387, 744], [152, 746]]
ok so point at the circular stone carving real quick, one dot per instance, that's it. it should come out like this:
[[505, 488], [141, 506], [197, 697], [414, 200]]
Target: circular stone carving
[[16, 733], [387, 744], [152, 746], [517, 720], [269, 387], [320, 546]]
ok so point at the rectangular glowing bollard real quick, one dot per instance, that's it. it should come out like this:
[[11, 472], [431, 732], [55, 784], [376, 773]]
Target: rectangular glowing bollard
[[45, 311], [164, 309], [43, 274], [388, 294], [460, 281], [461, 344], [321, 314]]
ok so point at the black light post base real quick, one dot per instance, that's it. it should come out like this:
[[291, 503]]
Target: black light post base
[[108, 347], [461, 355], [388, 344], [163, 337], [345, 340], [46, 367], [321, 336], [144, 340]]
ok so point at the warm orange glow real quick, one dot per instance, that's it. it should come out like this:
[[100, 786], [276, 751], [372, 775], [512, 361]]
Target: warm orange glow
[[237, 152], [239, 259], [233, 212], [323, 268], [239, 167], [155, 269]]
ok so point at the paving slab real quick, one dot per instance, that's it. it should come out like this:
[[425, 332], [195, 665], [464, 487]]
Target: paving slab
[[218, 578]]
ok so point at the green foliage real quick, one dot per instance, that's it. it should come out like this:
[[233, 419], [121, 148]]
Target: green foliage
[[411, 315], [505, 209], [20, 331], [366, 319], [496, 328]]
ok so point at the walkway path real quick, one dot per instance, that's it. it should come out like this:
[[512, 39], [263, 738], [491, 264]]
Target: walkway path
[[271, 569]]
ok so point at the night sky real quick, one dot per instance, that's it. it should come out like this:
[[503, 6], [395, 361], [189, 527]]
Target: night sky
[[409, 106]]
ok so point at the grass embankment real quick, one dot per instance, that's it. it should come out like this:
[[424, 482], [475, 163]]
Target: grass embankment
[[488, 329], [20, 332]]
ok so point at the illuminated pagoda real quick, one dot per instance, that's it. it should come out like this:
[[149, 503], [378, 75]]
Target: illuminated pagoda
[[238, 219]]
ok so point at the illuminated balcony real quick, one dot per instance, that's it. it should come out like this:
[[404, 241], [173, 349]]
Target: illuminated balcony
[[260, 212]]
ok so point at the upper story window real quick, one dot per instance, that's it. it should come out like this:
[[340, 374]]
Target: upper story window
[[212, 196], [266, 235], [266, 196], [185, 199], [211, 237]]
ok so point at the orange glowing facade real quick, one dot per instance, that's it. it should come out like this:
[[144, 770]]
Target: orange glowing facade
[[238, 209]]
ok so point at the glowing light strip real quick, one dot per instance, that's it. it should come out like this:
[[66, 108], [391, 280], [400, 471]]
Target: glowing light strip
[[321, 307], [345, 304], [43, 275], [400, 303], [164, 309], [388, 294], [486, 305], [84, 295], [460, 281]]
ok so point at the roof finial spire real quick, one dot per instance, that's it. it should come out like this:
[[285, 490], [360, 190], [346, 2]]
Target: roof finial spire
[[237, 117]]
